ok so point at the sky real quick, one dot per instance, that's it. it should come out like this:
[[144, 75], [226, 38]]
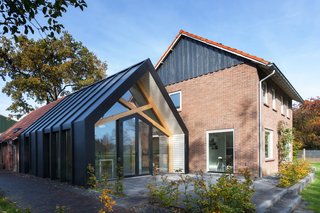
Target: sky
[[124, 32]]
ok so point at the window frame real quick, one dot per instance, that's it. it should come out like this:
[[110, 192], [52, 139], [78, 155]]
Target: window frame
[[274, 99], [282, 105], [265, 92], [180, 99], [270, 145]]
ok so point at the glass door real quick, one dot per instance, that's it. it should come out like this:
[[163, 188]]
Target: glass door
[[135, 140], [220, 151]]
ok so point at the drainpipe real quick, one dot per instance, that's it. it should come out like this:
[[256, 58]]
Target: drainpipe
[[260, 120]]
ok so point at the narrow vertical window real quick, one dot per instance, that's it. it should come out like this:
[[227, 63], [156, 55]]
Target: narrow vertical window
[[176, 99], [288, 110], [268, 144], [274, 99], [265, 92], [282, 105]]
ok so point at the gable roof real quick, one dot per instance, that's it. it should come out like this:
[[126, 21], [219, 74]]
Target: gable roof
[[211, 43], [14, 131], [90, 103], [266, 66]]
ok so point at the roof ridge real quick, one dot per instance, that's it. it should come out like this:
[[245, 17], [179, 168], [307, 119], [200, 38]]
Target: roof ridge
[[214, 43]]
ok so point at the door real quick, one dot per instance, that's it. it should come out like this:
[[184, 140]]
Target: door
[[134, 146]]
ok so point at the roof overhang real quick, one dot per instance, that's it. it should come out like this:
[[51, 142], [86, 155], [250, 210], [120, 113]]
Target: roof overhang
[[280, 79]]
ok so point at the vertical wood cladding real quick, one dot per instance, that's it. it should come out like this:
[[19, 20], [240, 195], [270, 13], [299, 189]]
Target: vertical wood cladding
[[191, 58]]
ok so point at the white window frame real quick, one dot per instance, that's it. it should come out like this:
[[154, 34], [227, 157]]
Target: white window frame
[[270, 144], [282, 105], [207, 145], [180, 98], [265, 92], [274, 103]]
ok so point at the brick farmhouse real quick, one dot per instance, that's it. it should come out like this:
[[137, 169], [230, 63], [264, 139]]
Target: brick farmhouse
[[216, 89]]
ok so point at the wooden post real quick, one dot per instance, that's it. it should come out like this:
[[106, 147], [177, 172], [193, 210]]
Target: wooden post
[[304, 154]]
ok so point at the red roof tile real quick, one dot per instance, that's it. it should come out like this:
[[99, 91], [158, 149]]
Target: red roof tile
[[15, 130], [213, 43]]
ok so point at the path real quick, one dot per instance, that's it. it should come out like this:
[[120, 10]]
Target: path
[[43, 195]]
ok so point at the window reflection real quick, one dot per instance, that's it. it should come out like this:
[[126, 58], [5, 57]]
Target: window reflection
[[106, 150]]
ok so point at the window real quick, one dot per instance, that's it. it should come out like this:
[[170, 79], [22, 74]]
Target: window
[[288, 110], [176, 99], [268, 144], [282, 105], [219, 150], [265, 92], [274, 99]]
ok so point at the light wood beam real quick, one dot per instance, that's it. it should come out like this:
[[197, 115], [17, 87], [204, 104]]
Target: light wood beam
[[154, 106], [123, 114], [154, 123]]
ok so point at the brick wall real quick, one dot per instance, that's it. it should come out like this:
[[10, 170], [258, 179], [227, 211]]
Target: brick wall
[[226, 99], [271, 118]]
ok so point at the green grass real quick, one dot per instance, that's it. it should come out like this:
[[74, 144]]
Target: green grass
[[311, 193]]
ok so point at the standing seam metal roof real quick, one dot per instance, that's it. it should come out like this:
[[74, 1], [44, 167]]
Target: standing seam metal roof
[[81, 103]]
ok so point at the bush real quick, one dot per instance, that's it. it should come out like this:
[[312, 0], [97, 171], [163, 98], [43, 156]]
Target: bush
[[166, 193], [92, 180], [229, 194], [291, 172], [107, 201]]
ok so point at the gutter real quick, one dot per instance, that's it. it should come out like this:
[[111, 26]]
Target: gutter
[[260, 120]]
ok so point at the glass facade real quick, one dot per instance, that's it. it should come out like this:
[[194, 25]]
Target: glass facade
[[106, 150], [129, 147], [220, 151], [128, 141]]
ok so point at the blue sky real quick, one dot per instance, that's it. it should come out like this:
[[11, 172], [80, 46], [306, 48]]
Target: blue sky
[[124, 32]]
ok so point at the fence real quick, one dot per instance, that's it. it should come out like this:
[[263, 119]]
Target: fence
[[310, 155]]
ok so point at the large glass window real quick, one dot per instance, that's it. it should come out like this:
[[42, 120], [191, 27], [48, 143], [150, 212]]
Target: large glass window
[[176, 99], [144, 137], [124, 137], [129, 147], [160, 150], [106, 150], [220, 151]]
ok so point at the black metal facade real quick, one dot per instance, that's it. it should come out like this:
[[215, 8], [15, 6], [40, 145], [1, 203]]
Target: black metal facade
[[190, 58], [76, 115]]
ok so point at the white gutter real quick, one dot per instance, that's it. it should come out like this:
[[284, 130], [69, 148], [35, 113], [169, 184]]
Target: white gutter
[[260, 120]]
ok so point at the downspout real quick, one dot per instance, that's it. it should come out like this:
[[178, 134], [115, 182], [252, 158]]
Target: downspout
[[260, 120]]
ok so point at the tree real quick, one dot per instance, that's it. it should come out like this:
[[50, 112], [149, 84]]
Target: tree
[[22, 15], [306, 121], [45, 69]]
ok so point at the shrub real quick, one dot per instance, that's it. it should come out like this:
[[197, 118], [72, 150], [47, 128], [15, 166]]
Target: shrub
[[229, 194], [166, 193], [107, 201], [291, 172], [92, 180], [118, 188]]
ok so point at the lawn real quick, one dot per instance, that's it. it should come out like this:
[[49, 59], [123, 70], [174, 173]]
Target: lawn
[[312, 192]]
